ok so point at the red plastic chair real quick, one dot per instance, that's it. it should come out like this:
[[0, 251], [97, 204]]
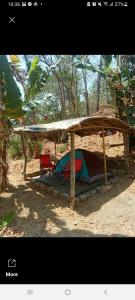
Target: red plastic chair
[[45, 162], [67, 169]]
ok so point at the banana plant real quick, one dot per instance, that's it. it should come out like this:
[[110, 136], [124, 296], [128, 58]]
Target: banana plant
[[10, 107], [37, 78], [121, 81]]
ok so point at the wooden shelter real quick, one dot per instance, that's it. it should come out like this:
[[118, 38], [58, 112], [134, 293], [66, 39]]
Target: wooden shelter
[[58, 132]]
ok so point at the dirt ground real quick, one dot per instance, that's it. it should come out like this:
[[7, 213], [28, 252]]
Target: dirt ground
[[40, 215]]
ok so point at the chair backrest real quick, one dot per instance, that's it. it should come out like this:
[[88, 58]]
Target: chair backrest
[[45, 159]]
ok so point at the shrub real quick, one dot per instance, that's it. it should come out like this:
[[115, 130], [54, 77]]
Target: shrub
[[7, 219], [16, 151], [15, 147], [40, 146], [62, 148]]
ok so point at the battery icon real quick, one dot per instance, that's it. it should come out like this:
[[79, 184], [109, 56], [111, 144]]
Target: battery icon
[[23, 3]]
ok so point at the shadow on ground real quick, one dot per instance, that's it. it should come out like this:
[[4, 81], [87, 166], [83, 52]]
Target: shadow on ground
[[35, 208]]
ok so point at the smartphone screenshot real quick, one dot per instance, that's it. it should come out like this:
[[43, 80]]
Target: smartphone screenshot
[[67, 150]]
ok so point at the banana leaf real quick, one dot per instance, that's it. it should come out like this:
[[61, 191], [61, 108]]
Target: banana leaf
[[12, 96]]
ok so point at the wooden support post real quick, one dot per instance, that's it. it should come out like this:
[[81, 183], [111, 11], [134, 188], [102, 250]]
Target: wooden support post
[[55, 154], [72, 173], [125, 139], [25, 157], [105, 166], [127, 142]]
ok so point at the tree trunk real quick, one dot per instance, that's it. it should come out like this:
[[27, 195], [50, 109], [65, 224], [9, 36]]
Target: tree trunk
[[69, 91], [3, 141], [107, 96], [98, 85], [76, 94], [86, 92], [119, 61], [62, 97]]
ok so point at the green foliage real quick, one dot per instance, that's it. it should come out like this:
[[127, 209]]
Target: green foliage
[[40, 145], [107, 59], [15, 147], [11, 91], [61, 83], [37, 78], [105, 96], [122, 87], [7, 219], [88, 67], [4, 65], [62, 148], [34, 64], [12, 97]]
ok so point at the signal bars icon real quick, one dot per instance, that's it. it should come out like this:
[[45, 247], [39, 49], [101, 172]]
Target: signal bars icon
[[121, 3], [107, 4]]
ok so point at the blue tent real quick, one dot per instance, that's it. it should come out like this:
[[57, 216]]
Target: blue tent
[[92, 165]]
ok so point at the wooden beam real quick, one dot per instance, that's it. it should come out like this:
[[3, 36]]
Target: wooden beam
[[25, 156], [97, 128], [105, 166], [72, 173], [116, 145]]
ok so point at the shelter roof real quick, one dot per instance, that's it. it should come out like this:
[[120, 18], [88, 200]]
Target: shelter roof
[[84, 126]]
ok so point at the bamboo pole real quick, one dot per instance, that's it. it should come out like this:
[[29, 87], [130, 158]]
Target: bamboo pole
[[25, 157], [125, 139], [72, 173], [127, 133], [55, 153], [105, 166]]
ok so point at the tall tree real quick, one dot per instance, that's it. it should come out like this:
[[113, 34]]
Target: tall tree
[[81, 62], [86, 92], [98, 85]]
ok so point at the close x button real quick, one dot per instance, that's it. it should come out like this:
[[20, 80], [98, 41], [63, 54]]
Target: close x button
[[11, 20]]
